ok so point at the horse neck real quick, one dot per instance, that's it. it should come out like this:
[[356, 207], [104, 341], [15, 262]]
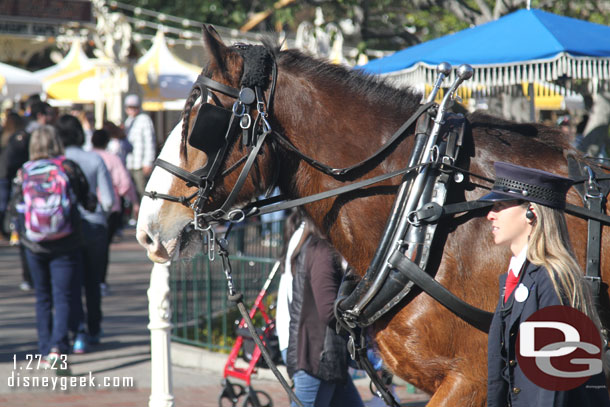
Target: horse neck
[[338, 126], [338, 123], [315, 114]]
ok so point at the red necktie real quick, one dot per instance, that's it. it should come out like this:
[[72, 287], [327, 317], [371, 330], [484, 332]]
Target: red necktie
[[511, 283]]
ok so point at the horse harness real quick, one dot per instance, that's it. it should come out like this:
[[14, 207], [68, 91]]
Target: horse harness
[[402, 256]]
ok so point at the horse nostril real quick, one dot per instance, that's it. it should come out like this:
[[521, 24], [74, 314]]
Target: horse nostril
[[144, 238]]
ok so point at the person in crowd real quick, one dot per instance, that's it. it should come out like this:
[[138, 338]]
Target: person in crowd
[[27, 105], [13, 155], [120, 146], [564, 125], [12, 125], [41, 113], [94, 225], [527, 217], [580, 132], [118, 143], [317, 356], [292, 234], [123, 187], [86, 122], [53, 240], [141, 134]]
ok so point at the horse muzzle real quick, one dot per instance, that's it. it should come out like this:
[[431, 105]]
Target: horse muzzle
[[155, 249]]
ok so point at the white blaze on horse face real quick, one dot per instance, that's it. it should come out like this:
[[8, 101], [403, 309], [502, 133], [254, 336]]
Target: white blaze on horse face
[[159, 236]]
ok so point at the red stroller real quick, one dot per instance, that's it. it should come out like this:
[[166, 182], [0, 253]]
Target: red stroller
[[232, 392]]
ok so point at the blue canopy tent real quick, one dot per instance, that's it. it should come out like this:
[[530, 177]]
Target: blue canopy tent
[[524, 46]]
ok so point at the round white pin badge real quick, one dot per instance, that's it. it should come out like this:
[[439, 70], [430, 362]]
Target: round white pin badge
[[521, 293]]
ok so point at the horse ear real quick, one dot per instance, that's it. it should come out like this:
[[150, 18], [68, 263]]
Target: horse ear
[[214, 45]]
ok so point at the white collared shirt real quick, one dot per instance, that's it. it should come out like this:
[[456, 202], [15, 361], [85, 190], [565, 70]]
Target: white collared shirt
[[516, 262]]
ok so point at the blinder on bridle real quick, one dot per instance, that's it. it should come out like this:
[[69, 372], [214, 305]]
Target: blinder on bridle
[[212, 124], [215, 131]]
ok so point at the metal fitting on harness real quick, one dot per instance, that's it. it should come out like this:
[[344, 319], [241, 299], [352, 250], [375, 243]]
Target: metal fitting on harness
[[593, 190], [429, 212]]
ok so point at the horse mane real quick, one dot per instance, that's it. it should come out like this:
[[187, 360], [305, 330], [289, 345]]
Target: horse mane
[[371, 89]]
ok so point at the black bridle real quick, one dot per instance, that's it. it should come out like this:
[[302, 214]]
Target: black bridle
[[219, 127], [221, 123]]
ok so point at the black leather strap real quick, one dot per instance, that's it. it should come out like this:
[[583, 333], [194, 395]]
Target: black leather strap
[[270, 205], [478, 318], [243, 175], [184, 200], [594, 201], [178, 172], [466, 206], [365, 364], [217, 86], [587, 213], [343, 171]]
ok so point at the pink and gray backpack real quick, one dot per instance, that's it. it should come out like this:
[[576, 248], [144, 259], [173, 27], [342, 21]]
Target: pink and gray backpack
[[47, 200]]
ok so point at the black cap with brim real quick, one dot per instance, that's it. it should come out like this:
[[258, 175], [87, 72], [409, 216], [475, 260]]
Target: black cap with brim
[[514, 182]]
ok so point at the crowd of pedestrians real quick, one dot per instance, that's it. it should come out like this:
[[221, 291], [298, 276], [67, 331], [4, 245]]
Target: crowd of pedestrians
[[64, 190]]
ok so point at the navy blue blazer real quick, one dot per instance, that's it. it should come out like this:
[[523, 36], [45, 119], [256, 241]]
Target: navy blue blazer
[[506, 383]]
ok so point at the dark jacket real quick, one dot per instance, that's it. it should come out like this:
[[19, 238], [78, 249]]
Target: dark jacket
[[507, 385], [14, 155], [313, 345], [80, 187]]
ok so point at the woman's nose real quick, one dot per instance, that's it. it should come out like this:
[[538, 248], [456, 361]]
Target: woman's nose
[[491, 215]]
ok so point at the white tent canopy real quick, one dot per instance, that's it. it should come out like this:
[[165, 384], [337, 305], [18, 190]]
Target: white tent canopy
[[16, 83], [76, 78], [163, 76]]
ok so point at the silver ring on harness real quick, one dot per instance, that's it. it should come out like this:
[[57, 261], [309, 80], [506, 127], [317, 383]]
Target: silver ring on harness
[[238, 104], [412, 218], [236, 216]]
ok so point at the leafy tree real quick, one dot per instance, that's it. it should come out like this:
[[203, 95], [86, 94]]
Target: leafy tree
[[376, 24]]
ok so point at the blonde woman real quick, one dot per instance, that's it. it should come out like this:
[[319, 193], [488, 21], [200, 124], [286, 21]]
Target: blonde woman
[[527, 216]]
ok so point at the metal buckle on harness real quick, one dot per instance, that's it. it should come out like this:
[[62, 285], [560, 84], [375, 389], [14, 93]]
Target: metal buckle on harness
[[211, 238], [351, 348], [593, 188]]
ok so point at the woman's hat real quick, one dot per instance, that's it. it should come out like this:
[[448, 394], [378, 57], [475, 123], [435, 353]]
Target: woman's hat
[[528, 184]]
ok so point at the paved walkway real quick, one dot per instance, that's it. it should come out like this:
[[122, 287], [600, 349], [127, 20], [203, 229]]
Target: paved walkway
[[117, 372]]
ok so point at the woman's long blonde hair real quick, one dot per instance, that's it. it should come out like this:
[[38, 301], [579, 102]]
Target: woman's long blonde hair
[[549, 246]]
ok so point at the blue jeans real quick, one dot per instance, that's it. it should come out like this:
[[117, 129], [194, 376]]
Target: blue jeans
[[95, 237], [57, 285], [313, 392]]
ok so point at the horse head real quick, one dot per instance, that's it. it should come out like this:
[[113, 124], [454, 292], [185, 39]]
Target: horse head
[[203, 157]]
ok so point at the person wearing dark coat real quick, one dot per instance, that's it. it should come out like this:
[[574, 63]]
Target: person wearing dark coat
[[317, 356], [527, 216]]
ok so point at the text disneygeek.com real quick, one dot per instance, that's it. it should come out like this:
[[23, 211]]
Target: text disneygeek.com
[[16, 380]]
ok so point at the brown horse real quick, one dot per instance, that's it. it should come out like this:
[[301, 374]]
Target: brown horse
[[339, 117]]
